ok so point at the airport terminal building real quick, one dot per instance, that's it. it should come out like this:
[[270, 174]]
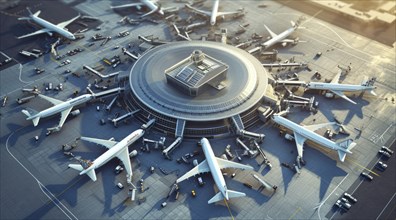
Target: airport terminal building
[[197, 88]]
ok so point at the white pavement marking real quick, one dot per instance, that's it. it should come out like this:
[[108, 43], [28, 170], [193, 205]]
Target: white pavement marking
[[320, 205], [385, 206], [48, 193]]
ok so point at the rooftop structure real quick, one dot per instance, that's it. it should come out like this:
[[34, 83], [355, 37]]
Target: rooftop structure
[[197, 111], [194, 73]]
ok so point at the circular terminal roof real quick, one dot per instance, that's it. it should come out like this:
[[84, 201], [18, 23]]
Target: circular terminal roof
[[246, 82]]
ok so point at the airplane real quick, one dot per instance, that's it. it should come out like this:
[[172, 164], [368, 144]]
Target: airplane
[[63, 107], [116, 149], [151, 4], [338, 89], [282, 37], [48, 26], [302, 133], [214, 165], [214, 13]]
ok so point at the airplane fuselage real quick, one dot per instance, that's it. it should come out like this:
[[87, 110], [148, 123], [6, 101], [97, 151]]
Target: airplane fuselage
[[215, 9], [338, 87], [214, 167], [308, 134], [115, 150], [63, 106], [52, 27], [278, 38]]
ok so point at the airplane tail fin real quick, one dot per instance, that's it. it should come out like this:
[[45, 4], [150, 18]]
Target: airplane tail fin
[[293, 24], [231, 194], [347, 145], [77, 167], [30, 113]]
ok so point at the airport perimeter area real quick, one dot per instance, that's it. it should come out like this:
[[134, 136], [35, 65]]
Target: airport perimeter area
[[36, 182]]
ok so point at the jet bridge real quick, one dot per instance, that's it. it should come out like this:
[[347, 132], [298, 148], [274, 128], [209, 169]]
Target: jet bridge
[[237, 121], [85, 67], [180, 125]]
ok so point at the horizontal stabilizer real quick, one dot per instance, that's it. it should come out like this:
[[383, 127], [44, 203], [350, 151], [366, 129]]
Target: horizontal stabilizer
[[231, 194], [373, 93], [35, 121], [348, 145], [234, 194], [341, 155], [77, 167], [30, 113], [92, 174], [216, 198], [24, 18], [37, 13]]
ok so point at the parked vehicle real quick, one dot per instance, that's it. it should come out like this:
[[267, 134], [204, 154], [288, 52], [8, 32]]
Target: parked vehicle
[[350, 197], [367, 176]]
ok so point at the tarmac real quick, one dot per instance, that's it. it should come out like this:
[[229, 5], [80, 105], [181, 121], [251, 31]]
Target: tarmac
[[36, 183]]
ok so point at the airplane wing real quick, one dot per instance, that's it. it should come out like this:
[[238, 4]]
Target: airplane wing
[[124, 157], [203, 167], [229, 164], [107, 143], [65, 23], [336, 78], [52, 100], [318, 126], [128, 5], [202, 12], [299, 143], [269, 31], [42, 31], [64, 115], [342, 95]]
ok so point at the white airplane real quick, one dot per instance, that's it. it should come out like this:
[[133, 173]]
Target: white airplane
[[214, 165], [214, 13], [339, 89], [48, 26], [63, 107], [282, 37], [116, 149], [151, 4], [302, 133]]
